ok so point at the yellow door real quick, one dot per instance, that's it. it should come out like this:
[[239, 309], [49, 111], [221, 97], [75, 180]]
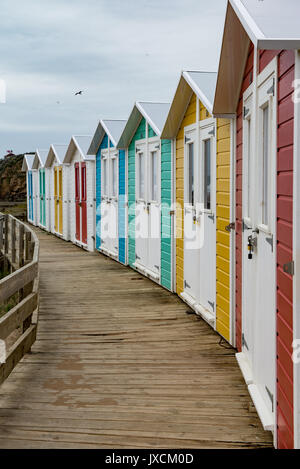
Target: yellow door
[[60, 200], [55, 201]]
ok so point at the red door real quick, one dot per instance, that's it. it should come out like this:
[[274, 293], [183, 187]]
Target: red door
[[77, 201], [83, 204]]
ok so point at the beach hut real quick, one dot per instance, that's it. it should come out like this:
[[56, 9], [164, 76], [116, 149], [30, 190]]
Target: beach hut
[[150, 192], [81, 192], [204, 203], [259, 63], [43, 179], [58, 191], [32, 188], [111, 185]]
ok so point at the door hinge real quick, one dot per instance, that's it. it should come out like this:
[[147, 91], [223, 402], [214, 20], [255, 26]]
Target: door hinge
[[272, 89], [157, 147], [137, 257], [289, 268], [186, 285], [244, 343], [271, 396], [186, 139], [137, 150], [212, 132], [270, 240], [212, 305], [157, 267], [212, 217], [245, 112], [230, 227]]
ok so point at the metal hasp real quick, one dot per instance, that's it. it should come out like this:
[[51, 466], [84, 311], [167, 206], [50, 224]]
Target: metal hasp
[[289, 268], [212, 217], [245, 112], [272, 89], [212, 304], [230, 227], [271, 396], [246, 227], [244, 343], [270, 240]]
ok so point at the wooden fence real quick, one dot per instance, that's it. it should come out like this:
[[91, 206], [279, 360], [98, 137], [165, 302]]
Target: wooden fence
[[19, 291]]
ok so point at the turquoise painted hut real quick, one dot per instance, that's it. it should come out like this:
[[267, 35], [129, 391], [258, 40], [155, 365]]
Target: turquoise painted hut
[[150, 192], [111, 194]]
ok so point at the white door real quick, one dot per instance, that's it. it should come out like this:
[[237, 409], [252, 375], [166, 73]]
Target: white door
[[105, 201], [191, 223], [207, 169], [153, 207], [260, 277], [249, 266], [141, 218], [113, 206]]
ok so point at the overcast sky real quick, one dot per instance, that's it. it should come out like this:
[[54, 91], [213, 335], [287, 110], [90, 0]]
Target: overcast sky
[[117, 51]]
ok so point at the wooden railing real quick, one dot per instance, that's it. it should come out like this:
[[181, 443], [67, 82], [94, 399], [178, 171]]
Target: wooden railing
[[19, 292]]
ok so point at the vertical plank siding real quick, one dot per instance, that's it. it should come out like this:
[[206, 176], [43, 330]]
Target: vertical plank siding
[[166, 222], [140, 134], [222, 220], [247, 80], [104, 145], [189, 118], [122, 206]]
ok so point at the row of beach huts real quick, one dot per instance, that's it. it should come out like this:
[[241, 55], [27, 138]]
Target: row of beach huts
[[201, 196]]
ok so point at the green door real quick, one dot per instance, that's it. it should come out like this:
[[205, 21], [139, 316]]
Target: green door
[[44, 198]]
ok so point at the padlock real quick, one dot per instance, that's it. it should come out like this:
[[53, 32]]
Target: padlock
[[250, 248]]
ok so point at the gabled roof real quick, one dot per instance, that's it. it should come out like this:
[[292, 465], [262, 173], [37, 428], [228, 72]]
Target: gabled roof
[[56, 151], [203, 84], [27, 162], [155, 115], [113, 128], [80, 143], [40, 158], [269, 24]]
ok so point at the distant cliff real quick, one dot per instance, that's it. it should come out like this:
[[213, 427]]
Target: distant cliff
[[12, 179]]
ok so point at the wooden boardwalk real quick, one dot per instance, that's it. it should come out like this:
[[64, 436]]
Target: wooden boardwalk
[[119, 364]]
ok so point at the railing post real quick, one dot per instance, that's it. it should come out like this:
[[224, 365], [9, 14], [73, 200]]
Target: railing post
[[27, 288], [21, 255], [13, 242], [5, 243]]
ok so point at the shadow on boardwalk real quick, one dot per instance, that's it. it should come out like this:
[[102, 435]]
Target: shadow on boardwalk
[[119, 364]]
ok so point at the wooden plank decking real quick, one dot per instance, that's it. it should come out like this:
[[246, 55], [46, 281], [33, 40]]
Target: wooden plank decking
[[119, 364]]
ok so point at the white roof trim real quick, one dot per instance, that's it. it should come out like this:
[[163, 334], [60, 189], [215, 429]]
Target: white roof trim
[[70, 151], [247, 21], [145, 115], [105, 128], [208, 105]]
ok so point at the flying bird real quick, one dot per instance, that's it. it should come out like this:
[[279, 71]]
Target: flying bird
[[78, 92]]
